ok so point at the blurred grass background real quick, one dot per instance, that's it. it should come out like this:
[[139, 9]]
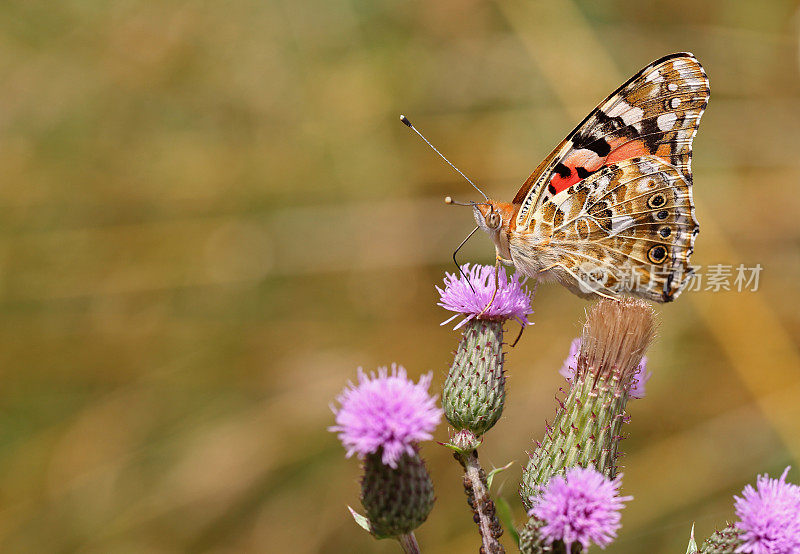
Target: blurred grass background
[[210, 216]]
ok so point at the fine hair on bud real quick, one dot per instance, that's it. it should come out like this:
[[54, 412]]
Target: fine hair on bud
[[614, 339]]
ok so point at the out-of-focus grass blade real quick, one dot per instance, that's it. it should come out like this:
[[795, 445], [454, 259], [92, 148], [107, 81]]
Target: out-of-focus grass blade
[[504, 513], [692, 548]]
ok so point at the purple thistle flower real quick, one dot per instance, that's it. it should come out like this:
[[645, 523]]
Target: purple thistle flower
[[385, 411], [511, 301], [640, 375], [582, 506], [769, 516], [571, 363]]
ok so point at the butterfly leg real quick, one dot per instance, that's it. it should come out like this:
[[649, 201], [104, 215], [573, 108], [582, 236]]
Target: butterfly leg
[[521, 329], [496, 284]]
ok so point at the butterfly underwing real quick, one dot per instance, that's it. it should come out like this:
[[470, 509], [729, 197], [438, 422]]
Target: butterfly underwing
[[610, 210]]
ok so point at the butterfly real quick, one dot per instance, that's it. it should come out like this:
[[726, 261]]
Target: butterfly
[[610, 210]]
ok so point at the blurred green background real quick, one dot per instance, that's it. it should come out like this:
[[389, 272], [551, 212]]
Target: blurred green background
[[211, 215]]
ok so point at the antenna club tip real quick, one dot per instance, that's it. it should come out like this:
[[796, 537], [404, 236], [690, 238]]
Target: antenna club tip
[[405, 120], [448, 200]]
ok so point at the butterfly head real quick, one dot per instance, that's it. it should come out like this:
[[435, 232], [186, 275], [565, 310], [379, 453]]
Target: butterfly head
[[495, 218], [487, 217], [492, 216]]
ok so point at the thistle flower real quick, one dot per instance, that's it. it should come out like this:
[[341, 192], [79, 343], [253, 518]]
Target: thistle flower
[[382, 419], [582, 506], [386, 412], [512, 301], [570, 365], [474, 392], [769, 516], [639, 379]]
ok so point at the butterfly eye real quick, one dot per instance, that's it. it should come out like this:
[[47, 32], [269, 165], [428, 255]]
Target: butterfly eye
[[493, 220]]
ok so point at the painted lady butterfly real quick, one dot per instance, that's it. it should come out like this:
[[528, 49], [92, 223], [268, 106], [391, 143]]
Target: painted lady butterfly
[[610, 210]]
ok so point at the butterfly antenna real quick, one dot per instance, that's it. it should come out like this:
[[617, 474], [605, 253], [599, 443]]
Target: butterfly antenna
[[455, 261], [405, 120], [449, 201]]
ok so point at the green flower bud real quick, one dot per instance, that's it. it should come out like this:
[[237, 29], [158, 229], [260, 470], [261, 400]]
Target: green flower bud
[[531, 542], [724, 541], [464, 441], [474, 391]]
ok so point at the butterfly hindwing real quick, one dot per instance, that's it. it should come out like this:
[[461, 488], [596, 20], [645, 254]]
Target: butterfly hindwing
[[655, 113], [629, 227]]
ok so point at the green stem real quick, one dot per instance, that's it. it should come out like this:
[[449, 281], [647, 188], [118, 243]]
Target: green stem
[[409, 543]]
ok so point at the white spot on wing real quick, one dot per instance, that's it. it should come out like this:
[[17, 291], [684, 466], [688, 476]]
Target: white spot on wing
[[653, 76], [634, 115], [628, 113], [618, 109], [620, 222], [686, 71], [666, 120]]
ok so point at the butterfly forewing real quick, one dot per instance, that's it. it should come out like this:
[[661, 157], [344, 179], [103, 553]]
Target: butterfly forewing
[[655, 113]]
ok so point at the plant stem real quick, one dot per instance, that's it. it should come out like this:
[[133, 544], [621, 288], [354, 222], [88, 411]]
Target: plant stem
[[482, 505], [409, 543]]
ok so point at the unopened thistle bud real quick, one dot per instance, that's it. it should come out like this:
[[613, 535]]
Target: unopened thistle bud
[[474, 392], [587, 426]]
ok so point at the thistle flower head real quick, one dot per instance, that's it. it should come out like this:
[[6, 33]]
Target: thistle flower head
[[386, 411], [570, 365], [613, 342], [639, 379], [769, 516], [511, 301], [582, 506]]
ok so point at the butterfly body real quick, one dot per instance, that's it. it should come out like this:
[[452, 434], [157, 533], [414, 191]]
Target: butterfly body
[[610, 210]]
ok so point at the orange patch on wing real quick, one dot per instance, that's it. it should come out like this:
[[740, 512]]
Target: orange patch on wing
[[626, 151], [584, 158], [563, 183], [665, 152]]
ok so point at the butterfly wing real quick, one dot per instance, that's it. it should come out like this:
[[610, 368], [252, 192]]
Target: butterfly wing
[[628, 228], [656, 112]]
